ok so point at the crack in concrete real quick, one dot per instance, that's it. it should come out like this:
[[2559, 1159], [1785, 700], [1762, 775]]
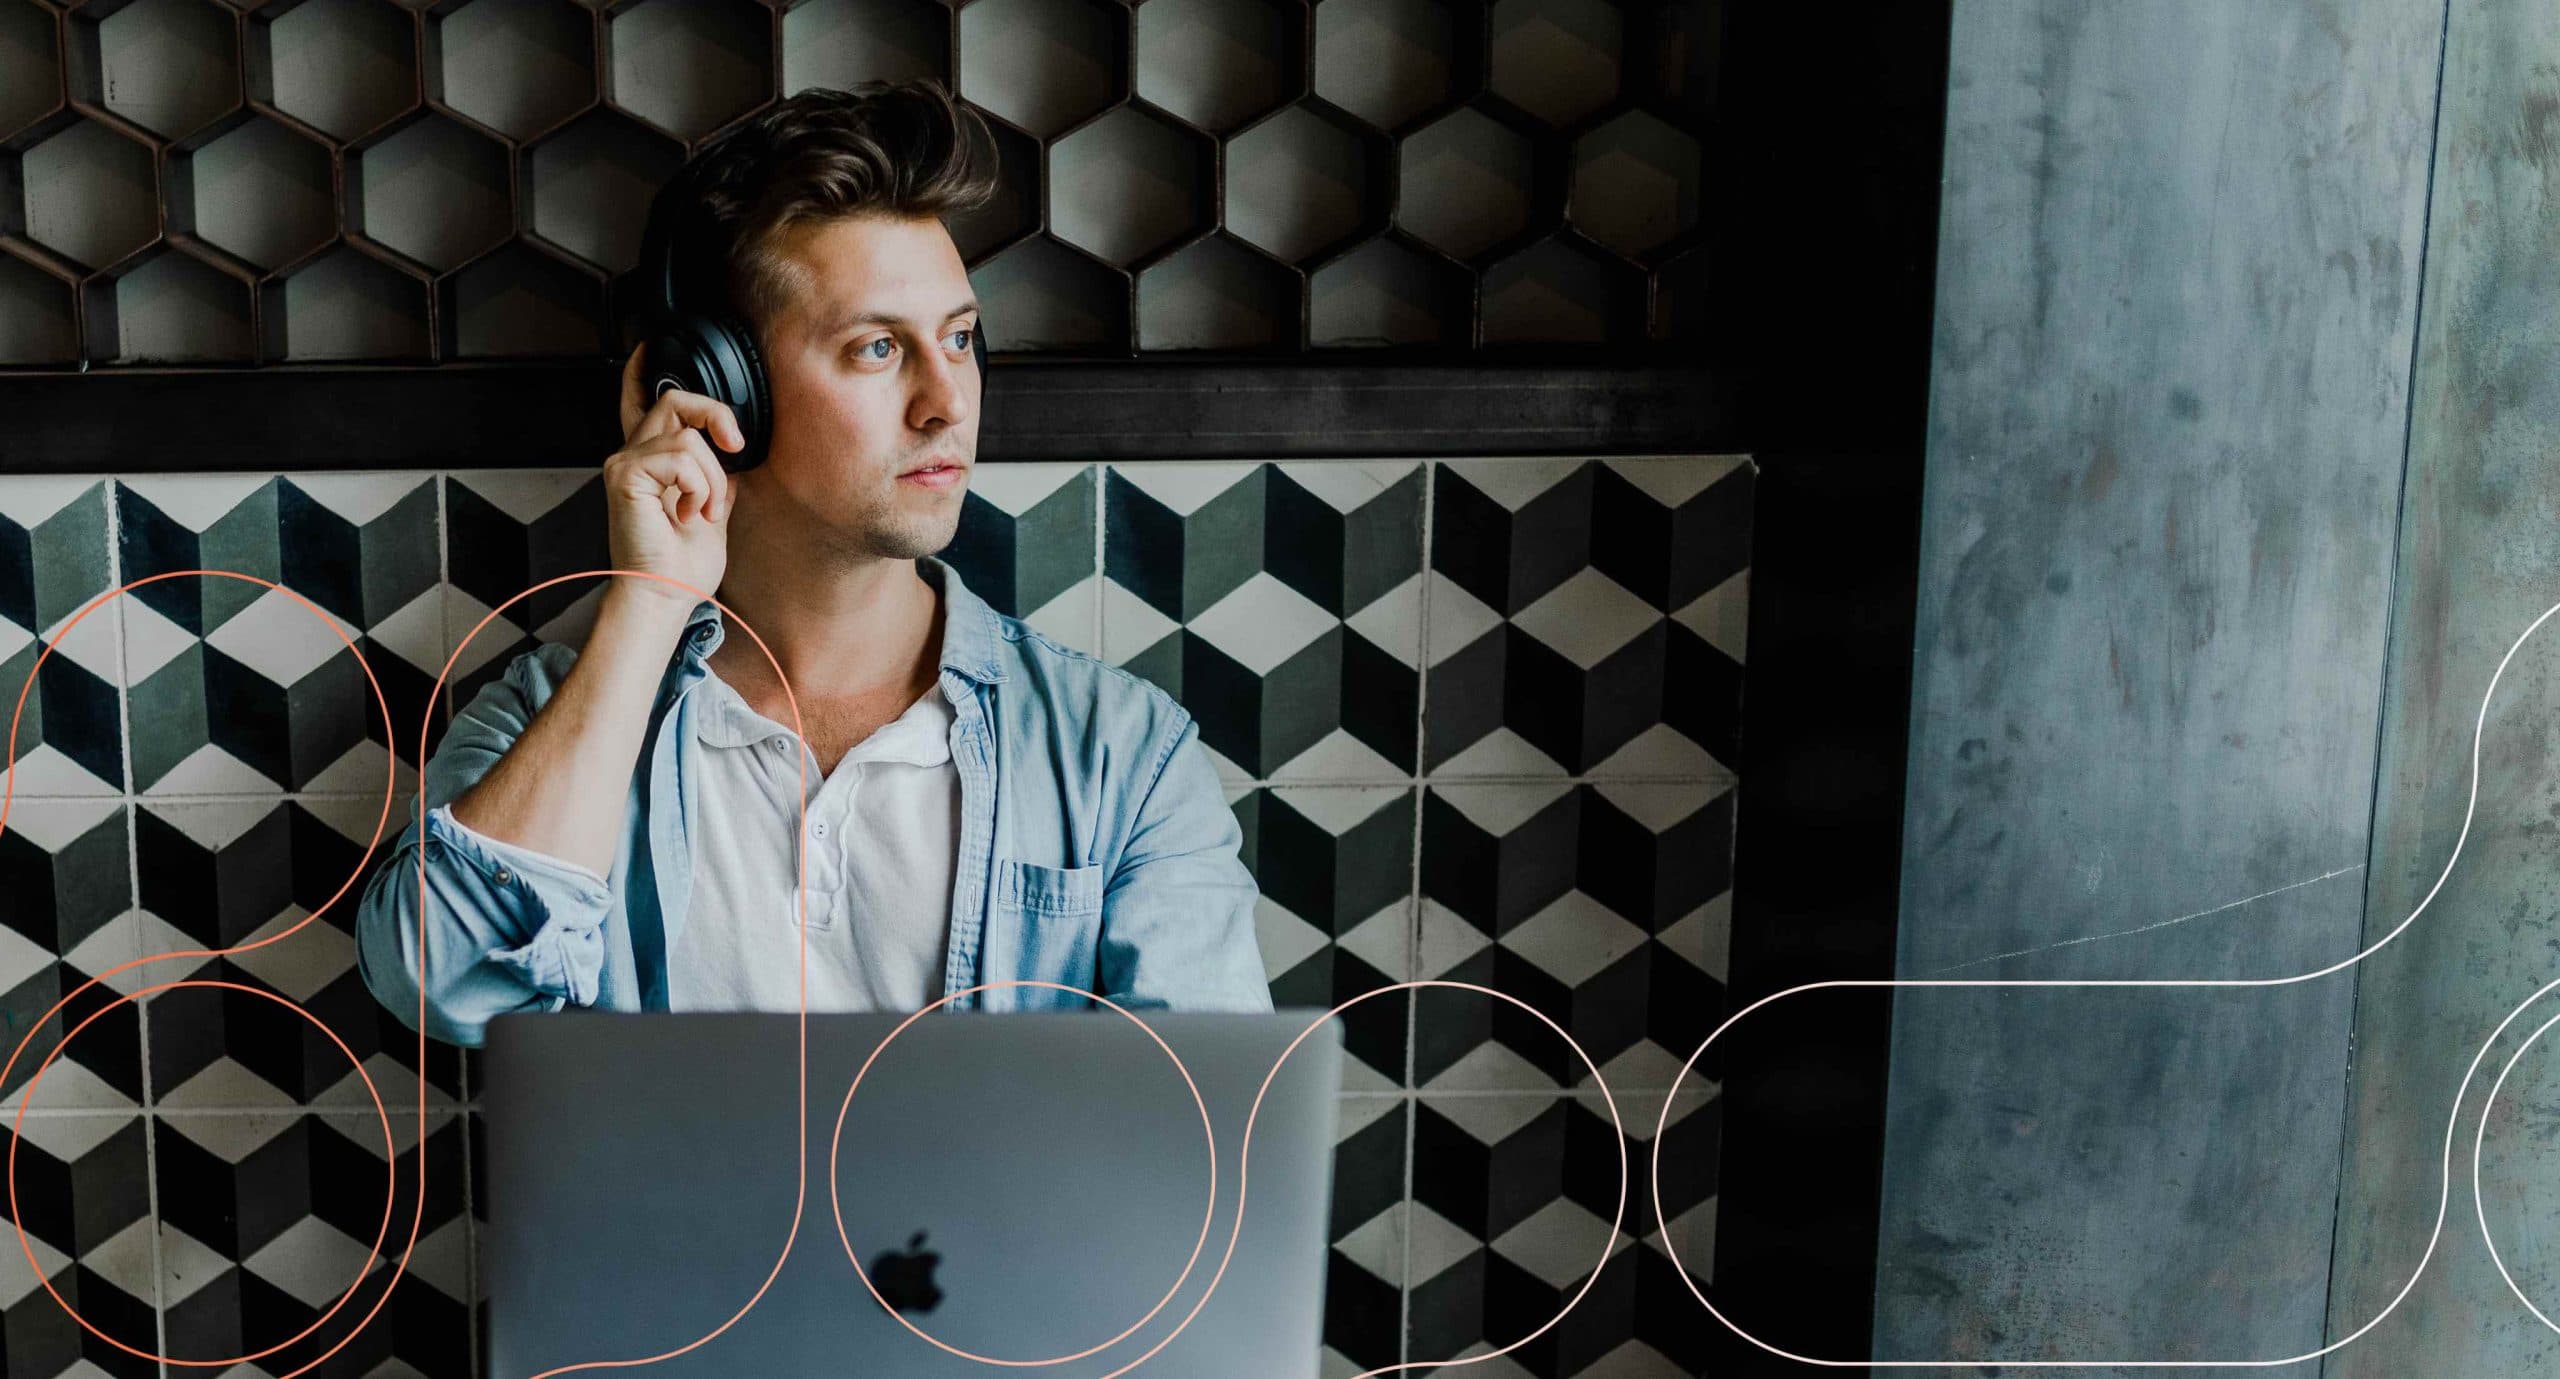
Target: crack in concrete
[[2144, 928]]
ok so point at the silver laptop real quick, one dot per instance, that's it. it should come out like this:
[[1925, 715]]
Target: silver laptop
[[1019, 1186]]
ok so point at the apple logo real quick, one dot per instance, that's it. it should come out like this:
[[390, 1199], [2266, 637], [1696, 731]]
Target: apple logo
[[905, 1277]]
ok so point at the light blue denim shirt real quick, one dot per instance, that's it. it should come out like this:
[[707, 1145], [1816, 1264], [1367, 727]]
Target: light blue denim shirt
[[1096, 848]]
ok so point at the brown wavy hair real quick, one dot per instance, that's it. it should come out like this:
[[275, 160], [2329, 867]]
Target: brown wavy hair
[[897, 149]]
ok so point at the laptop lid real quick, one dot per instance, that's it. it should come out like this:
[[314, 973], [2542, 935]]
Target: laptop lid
[[1022, 1186]]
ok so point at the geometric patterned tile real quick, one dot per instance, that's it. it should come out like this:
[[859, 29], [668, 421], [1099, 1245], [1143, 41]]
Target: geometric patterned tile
[[1600, 906], [266, 1218], [65, 868], [1525, 1185], [1335, 868], [1586, 617], [1025, 544], [236, 687], [1364, 1268], [84, 1187], [506, 531], [233, 873], [53, 562], [1280, 603]]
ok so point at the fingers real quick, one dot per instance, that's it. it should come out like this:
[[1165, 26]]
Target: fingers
[[677, 409], [635, 404], [686, 475]]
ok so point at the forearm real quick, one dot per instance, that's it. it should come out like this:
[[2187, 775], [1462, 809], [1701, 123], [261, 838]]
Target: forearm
[[560, 789]]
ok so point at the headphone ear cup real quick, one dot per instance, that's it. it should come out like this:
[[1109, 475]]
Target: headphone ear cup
[[754, 404], [719, 362]]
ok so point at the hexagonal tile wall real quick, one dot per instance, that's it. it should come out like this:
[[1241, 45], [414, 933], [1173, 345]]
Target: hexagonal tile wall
[[1303, 181], [1255, 176], [689, 66], [1217, 293], [432, 190], [260, 191], [1386, 61], [345, 305], [1466, 185], [518, 66], [1142, 183], [587, 186], [1385, 292], [839, 43], [173, 307], [1040, 294], [169, 66], [30, 82], [343, 67], [90, 194], [1042, 64], [1557, 59], [521, 301], [41, 323], [1635, 183], [1217, 63]]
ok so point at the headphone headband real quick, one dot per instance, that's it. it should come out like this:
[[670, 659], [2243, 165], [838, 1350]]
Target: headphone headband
[[704, 348]]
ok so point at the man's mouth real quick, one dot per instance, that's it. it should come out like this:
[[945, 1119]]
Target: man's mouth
[[936, 474]]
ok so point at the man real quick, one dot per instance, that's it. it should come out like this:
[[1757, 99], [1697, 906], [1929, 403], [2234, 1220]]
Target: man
[[618, 825]]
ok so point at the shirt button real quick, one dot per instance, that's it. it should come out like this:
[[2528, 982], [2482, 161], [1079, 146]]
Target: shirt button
[[819, 828], [505, 876]]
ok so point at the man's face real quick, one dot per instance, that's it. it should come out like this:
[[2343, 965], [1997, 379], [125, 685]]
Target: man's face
[[875, 391]]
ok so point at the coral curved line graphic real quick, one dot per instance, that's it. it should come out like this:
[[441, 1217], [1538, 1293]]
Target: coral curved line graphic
[[1244, 1175], [8, 795]]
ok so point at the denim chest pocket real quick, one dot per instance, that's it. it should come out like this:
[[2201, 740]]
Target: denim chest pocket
[[1039, 890]]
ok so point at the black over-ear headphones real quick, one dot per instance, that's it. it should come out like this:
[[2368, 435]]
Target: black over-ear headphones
[[703, 349]]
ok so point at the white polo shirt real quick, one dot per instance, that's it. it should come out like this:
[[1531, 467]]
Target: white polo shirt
[[883, 843]]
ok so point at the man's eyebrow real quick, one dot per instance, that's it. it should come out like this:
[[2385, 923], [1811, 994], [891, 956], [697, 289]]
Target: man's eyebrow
[[846, 320]]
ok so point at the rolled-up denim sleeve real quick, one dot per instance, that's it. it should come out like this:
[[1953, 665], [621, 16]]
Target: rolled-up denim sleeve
[[483, 927], [1178, 913]]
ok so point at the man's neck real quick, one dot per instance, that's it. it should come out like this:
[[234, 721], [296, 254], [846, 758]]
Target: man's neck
[[838, 630]]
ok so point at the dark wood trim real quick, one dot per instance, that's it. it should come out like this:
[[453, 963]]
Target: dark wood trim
[[1830, 122], [529, 416]]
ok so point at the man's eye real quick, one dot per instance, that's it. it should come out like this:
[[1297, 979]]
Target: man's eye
[[965, 334], [883, 340]]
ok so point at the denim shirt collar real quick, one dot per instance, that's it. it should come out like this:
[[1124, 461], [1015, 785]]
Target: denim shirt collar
[[971, 635]]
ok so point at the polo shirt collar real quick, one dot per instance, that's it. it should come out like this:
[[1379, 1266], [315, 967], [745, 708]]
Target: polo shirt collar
[[971, 636]]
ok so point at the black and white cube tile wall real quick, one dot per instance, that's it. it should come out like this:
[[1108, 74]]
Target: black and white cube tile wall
[[1476, 719]]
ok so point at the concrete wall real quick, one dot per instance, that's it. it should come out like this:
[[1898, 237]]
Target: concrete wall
[[2479, 530], [2178, 292]]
